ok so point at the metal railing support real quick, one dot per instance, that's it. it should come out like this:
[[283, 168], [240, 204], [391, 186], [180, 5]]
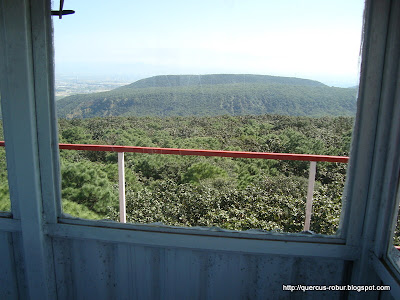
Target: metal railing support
[[121, 187], [310, 191], [199, 152]]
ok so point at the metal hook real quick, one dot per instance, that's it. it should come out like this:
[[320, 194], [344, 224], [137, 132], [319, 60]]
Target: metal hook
[[61, 12]]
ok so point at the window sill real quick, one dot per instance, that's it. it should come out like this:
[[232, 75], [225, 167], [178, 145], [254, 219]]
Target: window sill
[[205, 238]]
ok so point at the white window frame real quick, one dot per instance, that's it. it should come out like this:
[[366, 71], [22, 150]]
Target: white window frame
[[30, 128]]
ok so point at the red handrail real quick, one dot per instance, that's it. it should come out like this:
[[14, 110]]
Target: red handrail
[[199, 152]]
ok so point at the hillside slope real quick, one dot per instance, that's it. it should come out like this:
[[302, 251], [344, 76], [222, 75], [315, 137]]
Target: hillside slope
[[155, 97]]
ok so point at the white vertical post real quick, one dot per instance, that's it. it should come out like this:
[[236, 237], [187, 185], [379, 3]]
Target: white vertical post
[[26, 91], [310, 191], [121, 187]]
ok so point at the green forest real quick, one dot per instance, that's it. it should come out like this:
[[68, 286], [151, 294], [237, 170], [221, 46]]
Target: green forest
[[213, 79], [213, 95], [237, 194], [220, 112]]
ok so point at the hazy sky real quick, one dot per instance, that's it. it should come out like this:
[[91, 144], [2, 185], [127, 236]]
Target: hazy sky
[[316, 39]]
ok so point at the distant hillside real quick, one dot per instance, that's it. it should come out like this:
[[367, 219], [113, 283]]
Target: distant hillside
[[193, 80], [216, 95]]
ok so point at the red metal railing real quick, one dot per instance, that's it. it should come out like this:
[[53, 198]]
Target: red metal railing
[[313, 159], [199, 152]]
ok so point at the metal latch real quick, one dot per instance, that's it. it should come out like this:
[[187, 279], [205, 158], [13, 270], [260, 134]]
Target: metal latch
[[61, 12]]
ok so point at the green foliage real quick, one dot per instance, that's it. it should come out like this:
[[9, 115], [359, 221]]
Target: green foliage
[[230, 193], [237, 194], [272, 203], [327, 205], [5, 204], [86, 183], [200, 171], [78, 135], [197, 80], [213, 95], [79, 211]]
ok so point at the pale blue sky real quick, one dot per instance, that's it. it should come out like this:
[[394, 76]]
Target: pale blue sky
[[316, 39]]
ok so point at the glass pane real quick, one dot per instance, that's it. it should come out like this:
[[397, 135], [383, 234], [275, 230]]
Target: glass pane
[[396, 235], [259, 76], [5, 204], [394, 246]]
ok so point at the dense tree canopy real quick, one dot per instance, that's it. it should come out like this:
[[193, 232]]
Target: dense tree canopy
[[238, 194]]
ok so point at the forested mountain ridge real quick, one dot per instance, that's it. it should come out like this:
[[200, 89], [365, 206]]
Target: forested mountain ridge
[[192, 80], [217, 97]]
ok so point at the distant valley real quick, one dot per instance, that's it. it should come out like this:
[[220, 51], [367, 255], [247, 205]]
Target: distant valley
[[212, 95], [72, 85]]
